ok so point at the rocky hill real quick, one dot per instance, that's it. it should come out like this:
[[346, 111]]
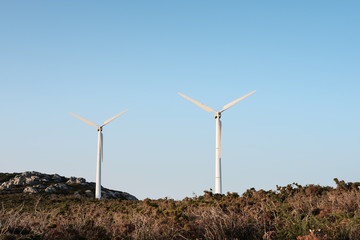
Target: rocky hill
[[41, 183]]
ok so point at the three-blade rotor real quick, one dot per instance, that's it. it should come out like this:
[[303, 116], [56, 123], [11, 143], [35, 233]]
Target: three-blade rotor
[[100, 128], [208, 109]]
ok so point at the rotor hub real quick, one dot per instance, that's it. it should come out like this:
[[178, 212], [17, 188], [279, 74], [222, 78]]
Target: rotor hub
[[218, 115]]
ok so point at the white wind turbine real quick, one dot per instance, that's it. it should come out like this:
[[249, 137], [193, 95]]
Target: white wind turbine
[[218, 184], [100, 150]]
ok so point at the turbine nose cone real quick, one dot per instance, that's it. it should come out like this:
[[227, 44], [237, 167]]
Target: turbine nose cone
[[218, 115]]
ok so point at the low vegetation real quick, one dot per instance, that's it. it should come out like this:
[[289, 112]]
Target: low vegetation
[[292, 212]]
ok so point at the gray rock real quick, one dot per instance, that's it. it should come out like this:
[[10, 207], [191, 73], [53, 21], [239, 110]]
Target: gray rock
[[80, 180], [111, 194], [19, 180], [50, 189], [56, 177], [7, 185], [128, 196], [35, 178], [61, 186], [115, 195], [34, 173], [3, 186], [29, 181], [45, 177], [89, 193], [26, 174], [32, 180], [30, 190], [77, 194], [72, 180], [118, 194]]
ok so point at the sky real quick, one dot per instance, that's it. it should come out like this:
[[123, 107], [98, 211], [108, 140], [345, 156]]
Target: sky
[[98, 58]]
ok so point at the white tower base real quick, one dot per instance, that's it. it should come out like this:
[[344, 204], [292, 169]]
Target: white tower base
[[218, 184], [98, 166]]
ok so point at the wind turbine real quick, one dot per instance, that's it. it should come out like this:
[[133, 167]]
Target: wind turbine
[[100, 149], [218, 184]]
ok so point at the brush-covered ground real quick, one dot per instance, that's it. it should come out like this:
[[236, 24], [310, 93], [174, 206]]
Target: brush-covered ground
[[292, 212]]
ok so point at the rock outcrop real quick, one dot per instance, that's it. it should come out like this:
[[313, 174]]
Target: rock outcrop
[[30, 190], [40, 183]]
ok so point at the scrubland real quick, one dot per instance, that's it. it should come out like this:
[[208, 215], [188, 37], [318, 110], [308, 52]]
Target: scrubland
[[291, 212]]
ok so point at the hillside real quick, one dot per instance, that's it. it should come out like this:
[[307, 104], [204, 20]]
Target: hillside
[[296, 212], [41, 183]]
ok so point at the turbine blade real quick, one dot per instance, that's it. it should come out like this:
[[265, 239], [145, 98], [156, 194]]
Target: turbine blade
[[83, 119], [102, 152], [206, 108], [236, 101], [109, 120]]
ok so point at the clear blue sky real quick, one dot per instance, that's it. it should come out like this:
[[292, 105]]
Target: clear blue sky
[[97, 59]]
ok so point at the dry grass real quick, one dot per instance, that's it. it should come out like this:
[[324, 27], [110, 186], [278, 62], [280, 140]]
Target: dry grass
[[291, 212]]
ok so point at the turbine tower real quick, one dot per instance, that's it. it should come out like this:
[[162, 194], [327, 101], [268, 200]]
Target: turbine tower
[[218, 184], [100, 150]]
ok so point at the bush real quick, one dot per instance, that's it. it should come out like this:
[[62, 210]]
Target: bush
[[292, 212]]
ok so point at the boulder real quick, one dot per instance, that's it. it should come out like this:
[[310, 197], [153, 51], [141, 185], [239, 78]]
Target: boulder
[[7, 185], [115, 195], [109, 195], [89, 193], [26, 174], [34, 173], [80, 180], [128, 196], [32, 180], [72, 180], [61, 186], [56, 177], [50, 189], [45, 177], [30, 190], [19, 180]]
